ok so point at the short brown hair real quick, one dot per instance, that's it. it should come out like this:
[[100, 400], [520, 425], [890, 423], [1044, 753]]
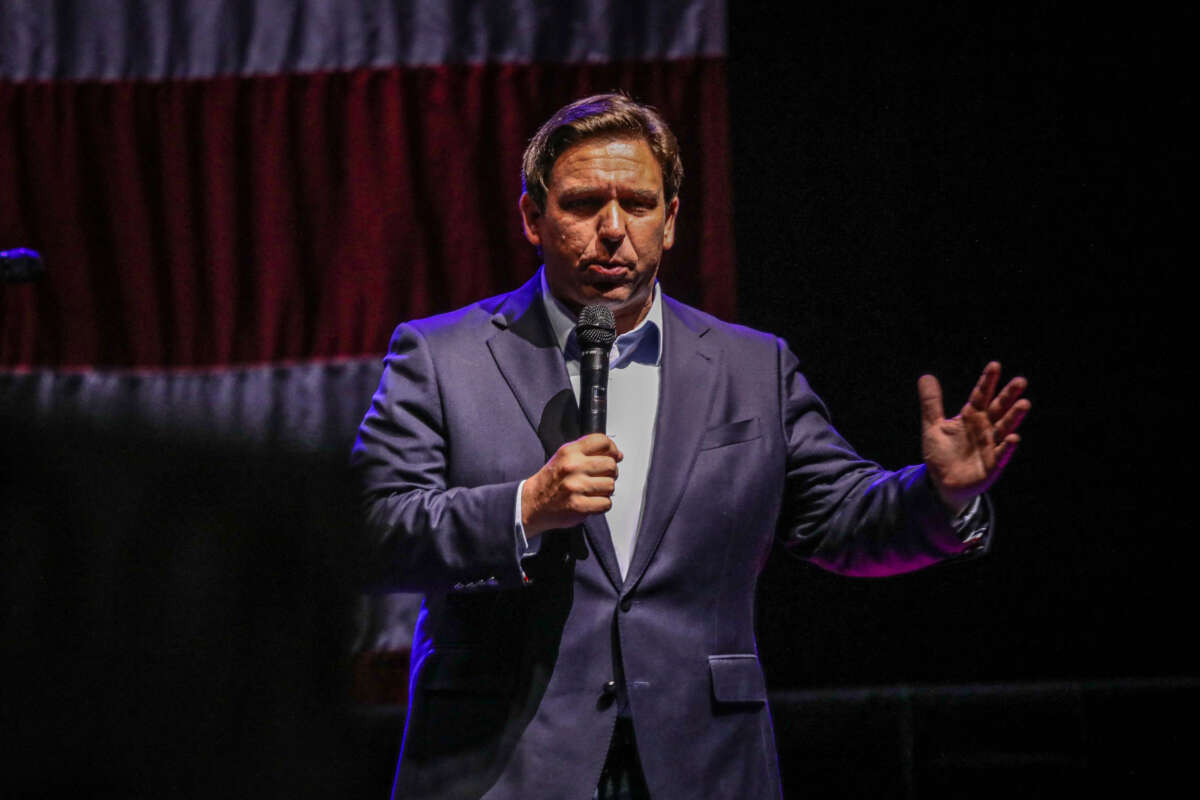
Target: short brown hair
[[612, 114]]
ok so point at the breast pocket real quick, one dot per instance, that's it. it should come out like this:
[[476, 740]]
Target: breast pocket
[[731, 433], [737, 679]]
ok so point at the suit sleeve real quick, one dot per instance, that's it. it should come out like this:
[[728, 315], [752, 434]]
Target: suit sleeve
[[422, 535], [847, 514]]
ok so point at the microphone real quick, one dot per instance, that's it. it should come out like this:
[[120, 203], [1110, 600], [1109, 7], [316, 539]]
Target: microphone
[[20, 265], [595, 332]]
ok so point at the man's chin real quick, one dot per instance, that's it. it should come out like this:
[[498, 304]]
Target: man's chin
[[618, 296], [617, 299], [614, 295]]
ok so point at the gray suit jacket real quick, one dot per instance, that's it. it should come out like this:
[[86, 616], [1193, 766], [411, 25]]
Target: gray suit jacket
[[510, 683]]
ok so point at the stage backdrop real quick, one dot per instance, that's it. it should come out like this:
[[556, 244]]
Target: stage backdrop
[[237, 202]]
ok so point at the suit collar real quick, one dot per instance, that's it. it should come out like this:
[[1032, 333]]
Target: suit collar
[[532, 365], [513, 308]]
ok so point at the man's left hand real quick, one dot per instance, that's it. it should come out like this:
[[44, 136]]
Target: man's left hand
[[965, 454]]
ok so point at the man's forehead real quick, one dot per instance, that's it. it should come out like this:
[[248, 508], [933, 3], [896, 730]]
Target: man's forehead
[[602, 156]]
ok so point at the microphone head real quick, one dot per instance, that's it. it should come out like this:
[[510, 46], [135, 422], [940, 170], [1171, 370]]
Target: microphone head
[[21, 265], [596, 328]]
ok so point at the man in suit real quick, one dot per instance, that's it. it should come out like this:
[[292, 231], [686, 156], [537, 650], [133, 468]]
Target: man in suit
[[587, 626]]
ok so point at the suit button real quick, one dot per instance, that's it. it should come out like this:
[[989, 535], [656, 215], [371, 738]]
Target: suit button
[[608, 693], [626, 603]]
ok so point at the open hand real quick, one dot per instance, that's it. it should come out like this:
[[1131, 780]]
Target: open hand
[[966, 453]]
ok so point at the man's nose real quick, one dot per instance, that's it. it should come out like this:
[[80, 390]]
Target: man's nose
[[612, 222]]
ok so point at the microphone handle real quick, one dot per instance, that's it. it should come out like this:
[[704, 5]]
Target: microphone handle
[[593, 390]]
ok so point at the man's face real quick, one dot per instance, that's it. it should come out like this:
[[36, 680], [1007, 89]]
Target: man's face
[[605, 226]]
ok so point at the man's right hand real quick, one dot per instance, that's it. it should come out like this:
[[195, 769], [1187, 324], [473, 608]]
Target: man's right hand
[[578, 480]]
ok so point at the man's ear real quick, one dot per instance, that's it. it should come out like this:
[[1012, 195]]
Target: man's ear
[[669, 223], [530, 215]]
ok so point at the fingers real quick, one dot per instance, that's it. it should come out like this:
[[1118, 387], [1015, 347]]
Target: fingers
[[581, 504], [587, 467], [572, 460], [591, 486], [1008, 395], [979, 429], [587, 483], [1011, 420], [1004, 452], [577, 481], [929, 391], [597, 444], [985, 387]]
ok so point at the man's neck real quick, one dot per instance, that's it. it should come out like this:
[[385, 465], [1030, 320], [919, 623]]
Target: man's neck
[[629, 319], [563, 316]]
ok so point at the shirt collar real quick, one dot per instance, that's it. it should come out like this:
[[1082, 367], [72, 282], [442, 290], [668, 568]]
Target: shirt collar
[[643, 343]]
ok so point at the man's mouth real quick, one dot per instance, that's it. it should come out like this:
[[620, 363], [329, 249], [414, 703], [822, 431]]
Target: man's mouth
[[599, 270]]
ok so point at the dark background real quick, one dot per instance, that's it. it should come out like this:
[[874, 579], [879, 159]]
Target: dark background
[[922, 191]]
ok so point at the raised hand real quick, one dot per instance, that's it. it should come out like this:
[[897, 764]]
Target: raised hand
[[578, 480], [966, 453]]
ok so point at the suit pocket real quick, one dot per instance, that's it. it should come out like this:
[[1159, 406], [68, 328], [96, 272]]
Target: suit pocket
[[737, 678], [455, 669], [731, 433], [458, 714]]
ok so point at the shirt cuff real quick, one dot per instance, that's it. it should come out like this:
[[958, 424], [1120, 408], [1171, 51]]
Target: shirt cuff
[[522, 541], [973, 524]]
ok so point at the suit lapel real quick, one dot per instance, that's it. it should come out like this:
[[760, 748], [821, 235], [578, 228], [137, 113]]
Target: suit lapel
[[689, 372], [533, 366]]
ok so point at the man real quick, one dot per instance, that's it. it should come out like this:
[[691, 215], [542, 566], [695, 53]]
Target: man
[[587, 627]]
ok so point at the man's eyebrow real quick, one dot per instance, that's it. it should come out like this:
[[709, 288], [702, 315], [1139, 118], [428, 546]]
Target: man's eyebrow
[[587, 192], [577, 192], [644, 195]]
